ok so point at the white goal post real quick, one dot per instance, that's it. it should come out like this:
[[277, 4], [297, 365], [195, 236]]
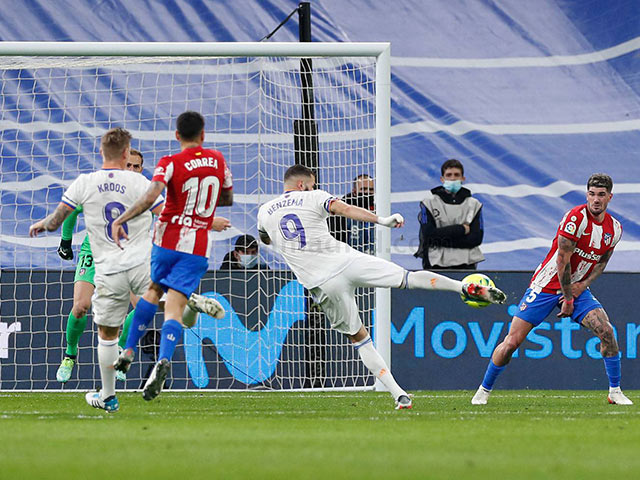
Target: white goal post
[[59, 97]]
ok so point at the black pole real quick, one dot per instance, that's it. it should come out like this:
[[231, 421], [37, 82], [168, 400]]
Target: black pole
[[305, 129], [306, 153]]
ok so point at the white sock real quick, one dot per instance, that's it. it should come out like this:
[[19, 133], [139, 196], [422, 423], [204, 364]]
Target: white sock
[[107, 354], [426, 280], [377, 366]]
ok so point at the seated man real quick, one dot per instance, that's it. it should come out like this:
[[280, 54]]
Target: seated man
[[450, 223], [244, 256]]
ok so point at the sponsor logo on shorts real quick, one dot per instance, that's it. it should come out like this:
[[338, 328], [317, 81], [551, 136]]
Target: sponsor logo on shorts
[[570, 228]]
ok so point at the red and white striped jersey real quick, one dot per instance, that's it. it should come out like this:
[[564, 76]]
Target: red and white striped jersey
[[194, 178], [593, 241]]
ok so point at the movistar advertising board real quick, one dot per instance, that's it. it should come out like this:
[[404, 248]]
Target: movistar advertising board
[[438, 342], [270, 338]]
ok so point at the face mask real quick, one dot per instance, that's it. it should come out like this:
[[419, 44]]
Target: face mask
[[452, 186], [248, 261]]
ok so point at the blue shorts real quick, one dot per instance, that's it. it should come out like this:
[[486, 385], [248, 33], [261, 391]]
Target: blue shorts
[[535, 307], [177, 270]]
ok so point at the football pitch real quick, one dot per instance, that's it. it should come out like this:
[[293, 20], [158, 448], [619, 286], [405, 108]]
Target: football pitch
[[520, 434]]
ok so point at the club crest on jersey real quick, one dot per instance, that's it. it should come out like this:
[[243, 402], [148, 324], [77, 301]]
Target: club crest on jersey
[[607, 239], [570, 228]]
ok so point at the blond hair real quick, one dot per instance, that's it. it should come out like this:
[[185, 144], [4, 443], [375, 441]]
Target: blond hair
[[114, 142]]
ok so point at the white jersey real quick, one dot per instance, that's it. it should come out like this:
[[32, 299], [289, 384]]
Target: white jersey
[[296, 223], [104, 195]]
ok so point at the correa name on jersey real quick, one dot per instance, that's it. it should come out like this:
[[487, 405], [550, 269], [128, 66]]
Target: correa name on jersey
[[287, 202], [111, 187], [201, 162]]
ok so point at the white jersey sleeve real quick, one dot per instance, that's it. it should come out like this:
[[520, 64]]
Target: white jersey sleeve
[[74, 195]]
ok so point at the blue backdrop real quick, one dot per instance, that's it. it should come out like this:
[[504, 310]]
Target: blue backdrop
[[531, 100]]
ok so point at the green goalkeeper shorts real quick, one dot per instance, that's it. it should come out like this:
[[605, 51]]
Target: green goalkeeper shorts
[[85, 270]]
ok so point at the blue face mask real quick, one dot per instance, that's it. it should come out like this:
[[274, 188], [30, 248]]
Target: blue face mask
[[452, 186]]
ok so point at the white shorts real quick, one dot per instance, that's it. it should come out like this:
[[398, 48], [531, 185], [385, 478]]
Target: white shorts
[[337, 298], [111, 297]]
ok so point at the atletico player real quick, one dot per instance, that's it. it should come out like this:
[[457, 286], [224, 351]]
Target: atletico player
[[579, 253], [197, 180]]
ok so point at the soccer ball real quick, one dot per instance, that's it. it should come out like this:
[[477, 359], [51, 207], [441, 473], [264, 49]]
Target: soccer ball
[[479, 279]]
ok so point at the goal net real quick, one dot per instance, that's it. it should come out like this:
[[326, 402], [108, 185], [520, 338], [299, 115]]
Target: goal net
[[258, 113]]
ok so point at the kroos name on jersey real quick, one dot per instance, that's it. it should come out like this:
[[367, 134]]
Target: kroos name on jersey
[[111, 187]]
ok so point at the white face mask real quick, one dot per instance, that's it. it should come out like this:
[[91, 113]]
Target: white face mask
[[248, 261]]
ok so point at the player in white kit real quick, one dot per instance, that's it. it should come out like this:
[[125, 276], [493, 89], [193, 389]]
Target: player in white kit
[[295, 224], [104, 195]]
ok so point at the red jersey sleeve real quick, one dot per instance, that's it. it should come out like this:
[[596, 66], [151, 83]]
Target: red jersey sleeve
[[227, 183], [571, 225], [163, 171]]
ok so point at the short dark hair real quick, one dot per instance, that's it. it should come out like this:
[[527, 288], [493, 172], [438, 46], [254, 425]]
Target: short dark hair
[[138, 153], [244, 242], [189, 125], [298, 171], [452, 163], [600, 180]]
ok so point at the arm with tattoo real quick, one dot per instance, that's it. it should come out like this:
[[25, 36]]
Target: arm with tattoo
[[52, 222], [598, 269], [563, 264]]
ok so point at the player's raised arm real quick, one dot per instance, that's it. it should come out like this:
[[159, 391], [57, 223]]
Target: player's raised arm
[[52, 222], [142, 205], [338, 207], [563, 264]]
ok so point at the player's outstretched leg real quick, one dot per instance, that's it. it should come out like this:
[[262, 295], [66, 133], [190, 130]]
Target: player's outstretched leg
[[107, 353], [597, 321], [500, 358], [171, 333], [155, 382], [378, 367], [207, 305], [427, 280], [142, 318]]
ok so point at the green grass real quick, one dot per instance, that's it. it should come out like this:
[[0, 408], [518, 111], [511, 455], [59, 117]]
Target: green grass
[[520, 434]]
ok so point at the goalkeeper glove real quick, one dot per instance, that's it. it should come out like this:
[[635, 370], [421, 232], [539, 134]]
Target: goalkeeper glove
[[393, 221], [64, 250]]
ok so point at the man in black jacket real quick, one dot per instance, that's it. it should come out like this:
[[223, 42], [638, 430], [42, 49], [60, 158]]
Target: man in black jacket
[[451, 227]]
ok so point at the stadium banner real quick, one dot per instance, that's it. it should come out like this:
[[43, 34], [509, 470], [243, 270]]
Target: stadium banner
[[438, 342]]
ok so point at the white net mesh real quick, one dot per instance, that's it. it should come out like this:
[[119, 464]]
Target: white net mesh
[[54, 111]]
